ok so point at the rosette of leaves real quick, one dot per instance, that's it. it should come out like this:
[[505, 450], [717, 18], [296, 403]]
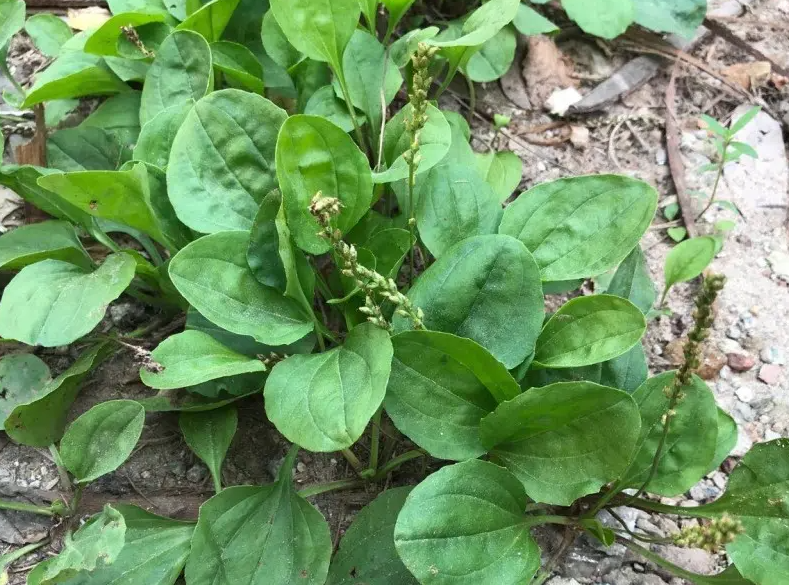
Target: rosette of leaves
[[251, 158]]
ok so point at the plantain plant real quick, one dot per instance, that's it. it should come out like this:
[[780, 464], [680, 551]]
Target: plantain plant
[[349, 265]]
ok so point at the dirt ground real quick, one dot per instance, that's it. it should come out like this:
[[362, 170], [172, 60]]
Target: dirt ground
[[746, 359]]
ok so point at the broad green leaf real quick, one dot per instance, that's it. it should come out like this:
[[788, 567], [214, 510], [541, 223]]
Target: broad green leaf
[[193, 357], [315, 155], [632, 281], [562, 422], [494, 58], [222, 160], [28, 244], [402, 49], [54, 303], [581, 226], [209, 435], [485, 288], [602, 18], [48, 33], [530, 22], [74, 74], [691, 442], [244, 344], [259, 536], [119, 115], [324, 401], [181, 71], [23, 180], [308, 77], [154, 551], [276, 43], [157, 136], [99, 441], [474, 531], [367, 69], [727, 439], [40, 421], [151, 36], [84, 148], [589, 330], [121, 196], [121, 6], [672, 16], [483, 24], [104, 41], [502, 171], [455, 203], [440, 388], [210, 19], [367, 551], [434, 141], [95, 545], [389, 247], [175, 235], [326, 104], [213, 276], [320, 29], [23, 376], [688, 260], [239, 64], [12, 19]]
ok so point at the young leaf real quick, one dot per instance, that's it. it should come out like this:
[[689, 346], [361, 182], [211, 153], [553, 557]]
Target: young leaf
[[482, 25], [677, 233], [581, 226], [213, 276], [41, 420], [562, 422], [28, 244], [22, 378], [502, 171], [84, 148], [485, 288], [157, 136], [260, 535], [228, 130], [589, 330], [691, 442], [324, 401], [48, 33], [239, 64], [740, 148], [209, 435], [475, 531], [712, 124], [95, 545], [745, 119], [315, 155], [632, 281], [74, 74], [367, 551], [192, 357], [440, 388], [53, 303], [529, 22], [154, 551], [455, 204], [494, 58], [434, 141], [688, 260], [320, 29], [99, 441], [396, 9], [682, 18], [601, 18], [181, 71], [210, 19]]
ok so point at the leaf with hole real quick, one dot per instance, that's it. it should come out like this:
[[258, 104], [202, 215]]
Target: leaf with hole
[[23, 377]]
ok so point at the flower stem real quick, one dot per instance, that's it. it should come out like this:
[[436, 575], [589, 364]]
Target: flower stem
[[22, 507]]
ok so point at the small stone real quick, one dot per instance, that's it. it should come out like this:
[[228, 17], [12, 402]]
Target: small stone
[[771, 435], [779, 262], [197, 473], [661, 156], [145, 474], [711, 364], [773, 355], [300, 467], [745, 394], [719, 479], [728, 346], [740, 362], [770, 374], [734, 332]]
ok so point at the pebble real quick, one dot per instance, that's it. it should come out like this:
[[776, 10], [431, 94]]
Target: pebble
[[197, 473], [745, 394], [770, 374], [728, 346], [743, 413], [300, 467], [734, 332], [145, 474], [773, 355], [661, 156], [740, 362], [771, 435], [779, 262]]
